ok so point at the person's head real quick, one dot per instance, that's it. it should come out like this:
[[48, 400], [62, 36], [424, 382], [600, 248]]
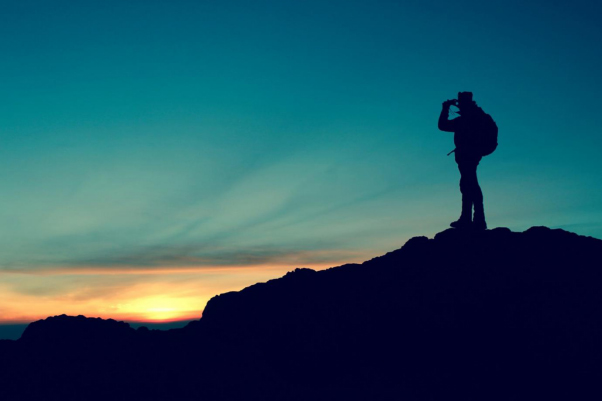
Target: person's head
[[465, 100]]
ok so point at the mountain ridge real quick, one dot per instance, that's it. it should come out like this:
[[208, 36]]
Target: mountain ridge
[[464, 315]]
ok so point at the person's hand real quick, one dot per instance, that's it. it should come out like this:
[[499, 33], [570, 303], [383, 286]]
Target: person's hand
[[449, 102]]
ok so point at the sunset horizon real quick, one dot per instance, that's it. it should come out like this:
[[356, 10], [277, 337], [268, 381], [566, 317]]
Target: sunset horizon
[[149, 303]]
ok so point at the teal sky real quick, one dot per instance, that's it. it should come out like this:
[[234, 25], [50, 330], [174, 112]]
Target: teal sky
[[166, 134]]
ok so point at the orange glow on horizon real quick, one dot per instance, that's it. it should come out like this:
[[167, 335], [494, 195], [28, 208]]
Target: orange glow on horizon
[[158, 295]]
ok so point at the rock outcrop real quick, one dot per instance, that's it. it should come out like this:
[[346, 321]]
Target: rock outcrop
[[466, 315]]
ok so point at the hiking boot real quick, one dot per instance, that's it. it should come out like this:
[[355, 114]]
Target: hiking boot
[[464, 222], [478, 220], [461, 223], [479, 224]]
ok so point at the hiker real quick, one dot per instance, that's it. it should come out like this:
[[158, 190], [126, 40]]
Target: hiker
[[475, 135]]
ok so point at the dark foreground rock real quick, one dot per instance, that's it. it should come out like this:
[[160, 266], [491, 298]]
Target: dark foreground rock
[[489, 316]]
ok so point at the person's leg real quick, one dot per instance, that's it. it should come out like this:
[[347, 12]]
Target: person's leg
[[479, 210], [473, 189], [465, 218]]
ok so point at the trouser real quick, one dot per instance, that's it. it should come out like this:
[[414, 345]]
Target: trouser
[[470, 189]]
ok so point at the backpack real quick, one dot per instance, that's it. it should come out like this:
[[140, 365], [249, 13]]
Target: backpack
[[487, 134]]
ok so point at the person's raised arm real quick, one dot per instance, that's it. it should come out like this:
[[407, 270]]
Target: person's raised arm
[[444, 123]]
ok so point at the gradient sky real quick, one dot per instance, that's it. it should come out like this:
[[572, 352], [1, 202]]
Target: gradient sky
[[155, 153]]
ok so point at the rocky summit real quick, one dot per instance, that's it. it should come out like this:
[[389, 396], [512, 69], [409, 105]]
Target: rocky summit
[[466, 315]]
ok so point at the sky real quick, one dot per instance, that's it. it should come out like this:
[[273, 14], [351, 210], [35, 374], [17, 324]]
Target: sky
[[156, 153]]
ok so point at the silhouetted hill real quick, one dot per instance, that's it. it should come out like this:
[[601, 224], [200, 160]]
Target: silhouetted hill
[[488, 315], [66, 329]]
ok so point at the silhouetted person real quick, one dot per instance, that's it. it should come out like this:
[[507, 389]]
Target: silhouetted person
[[473, 139]]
